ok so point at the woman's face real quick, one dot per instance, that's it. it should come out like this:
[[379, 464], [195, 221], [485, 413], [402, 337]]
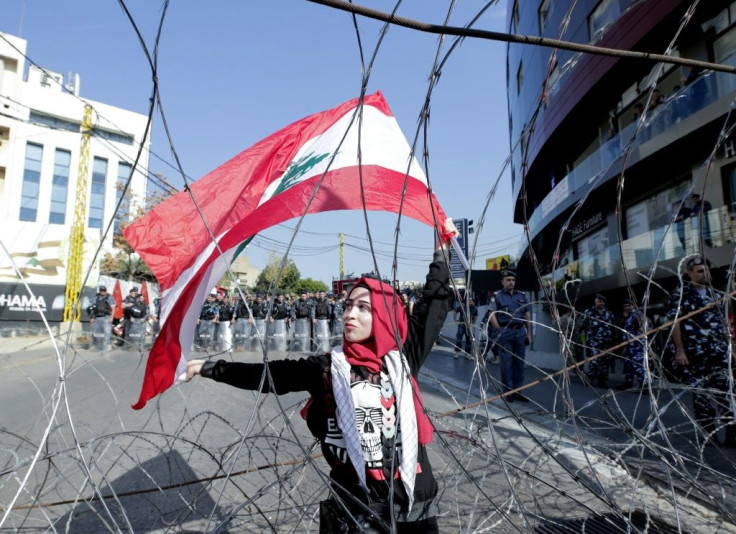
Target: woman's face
[[358, 315]]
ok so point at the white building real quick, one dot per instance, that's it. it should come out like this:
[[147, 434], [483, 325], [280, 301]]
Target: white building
[[40, 119]]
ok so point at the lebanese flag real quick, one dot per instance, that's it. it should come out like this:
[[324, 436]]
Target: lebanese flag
[[324, 162]]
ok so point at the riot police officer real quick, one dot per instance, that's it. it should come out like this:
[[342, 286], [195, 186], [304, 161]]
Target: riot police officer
[[511, 319], [137, 317], [321, 315], [337, 324], [127, 303], [634, 351], [101, 315], [278, 320], [701, 350], [239, 323], [259, 310], [209, 315], [465, 324], [301, 314], [224, 330], [156, 317], [599, 323]]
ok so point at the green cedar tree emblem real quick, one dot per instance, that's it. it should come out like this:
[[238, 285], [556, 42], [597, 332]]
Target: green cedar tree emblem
[[297, 169]]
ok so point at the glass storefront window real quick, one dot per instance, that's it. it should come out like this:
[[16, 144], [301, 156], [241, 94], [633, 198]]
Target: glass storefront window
[[605, 13]]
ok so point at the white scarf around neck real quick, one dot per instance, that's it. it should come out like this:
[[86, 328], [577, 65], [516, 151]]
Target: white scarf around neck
[[398, 372]]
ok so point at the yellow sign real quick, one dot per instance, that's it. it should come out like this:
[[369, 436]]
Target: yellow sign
[[498, 263]]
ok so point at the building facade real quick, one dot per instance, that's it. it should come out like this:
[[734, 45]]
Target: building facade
[[40, 138], [608, 152]]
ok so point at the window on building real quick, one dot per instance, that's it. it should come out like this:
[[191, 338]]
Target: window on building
[[519, 77], [553, 83], [604, 14], [60, 186], [123, 174], [118, 137], [515, 17], [36, 117], [594, 254], [97, 194], [545, 9], [31, 182]]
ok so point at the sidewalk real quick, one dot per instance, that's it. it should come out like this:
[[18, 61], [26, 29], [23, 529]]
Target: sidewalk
[[650, 440]]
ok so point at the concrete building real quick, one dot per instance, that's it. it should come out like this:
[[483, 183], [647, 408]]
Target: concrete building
[[577, 128], [40, 119]]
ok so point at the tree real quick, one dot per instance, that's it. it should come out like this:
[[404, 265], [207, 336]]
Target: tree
[[309, 284], [268, 277], [125, 263]]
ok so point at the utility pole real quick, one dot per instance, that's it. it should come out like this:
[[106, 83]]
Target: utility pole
[[342, 256]]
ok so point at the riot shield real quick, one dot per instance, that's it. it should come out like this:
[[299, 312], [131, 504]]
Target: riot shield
[[337, 329], [322, 336], [224, 336], [205, 335], [258, 333], [101, 333], [277, 335], [302, 337], [136, 335], [240, 334]]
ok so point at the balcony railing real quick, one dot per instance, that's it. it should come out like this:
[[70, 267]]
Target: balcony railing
[[704, 91]]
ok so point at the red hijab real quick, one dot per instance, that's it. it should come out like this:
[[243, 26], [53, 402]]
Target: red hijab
[[389, 317]]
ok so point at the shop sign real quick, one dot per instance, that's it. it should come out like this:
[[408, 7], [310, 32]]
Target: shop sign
[[588, 224]]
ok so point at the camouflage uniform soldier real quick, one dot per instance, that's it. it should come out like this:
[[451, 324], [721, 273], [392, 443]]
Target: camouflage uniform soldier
[[634, 351], [599, 323], [701, 350]]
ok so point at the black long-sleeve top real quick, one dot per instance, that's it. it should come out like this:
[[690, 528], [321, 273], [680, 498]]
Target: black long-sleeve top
[[311, 374]]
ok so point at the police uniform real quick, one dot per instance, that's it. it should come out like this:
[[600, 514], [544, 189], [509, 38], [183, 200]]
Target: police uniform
[[137, 316], [599, 326], [337, 325], [322, 309], [208, 316], [321, 316], [706, 347], [462, 329], [634, 351], [510, 310], [260, 312], [127, 303], [241, 328], [277, 327], [157, 317], [101, 311], [301, 314], [224, 331]]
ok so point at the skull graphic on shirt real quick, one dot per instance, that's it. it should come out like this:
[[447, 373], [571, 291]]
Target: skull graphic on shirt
[[368, 418]]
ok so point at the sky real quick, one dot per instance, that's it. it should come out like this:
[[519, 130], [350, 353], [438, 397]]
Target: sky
[[233, 72]]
